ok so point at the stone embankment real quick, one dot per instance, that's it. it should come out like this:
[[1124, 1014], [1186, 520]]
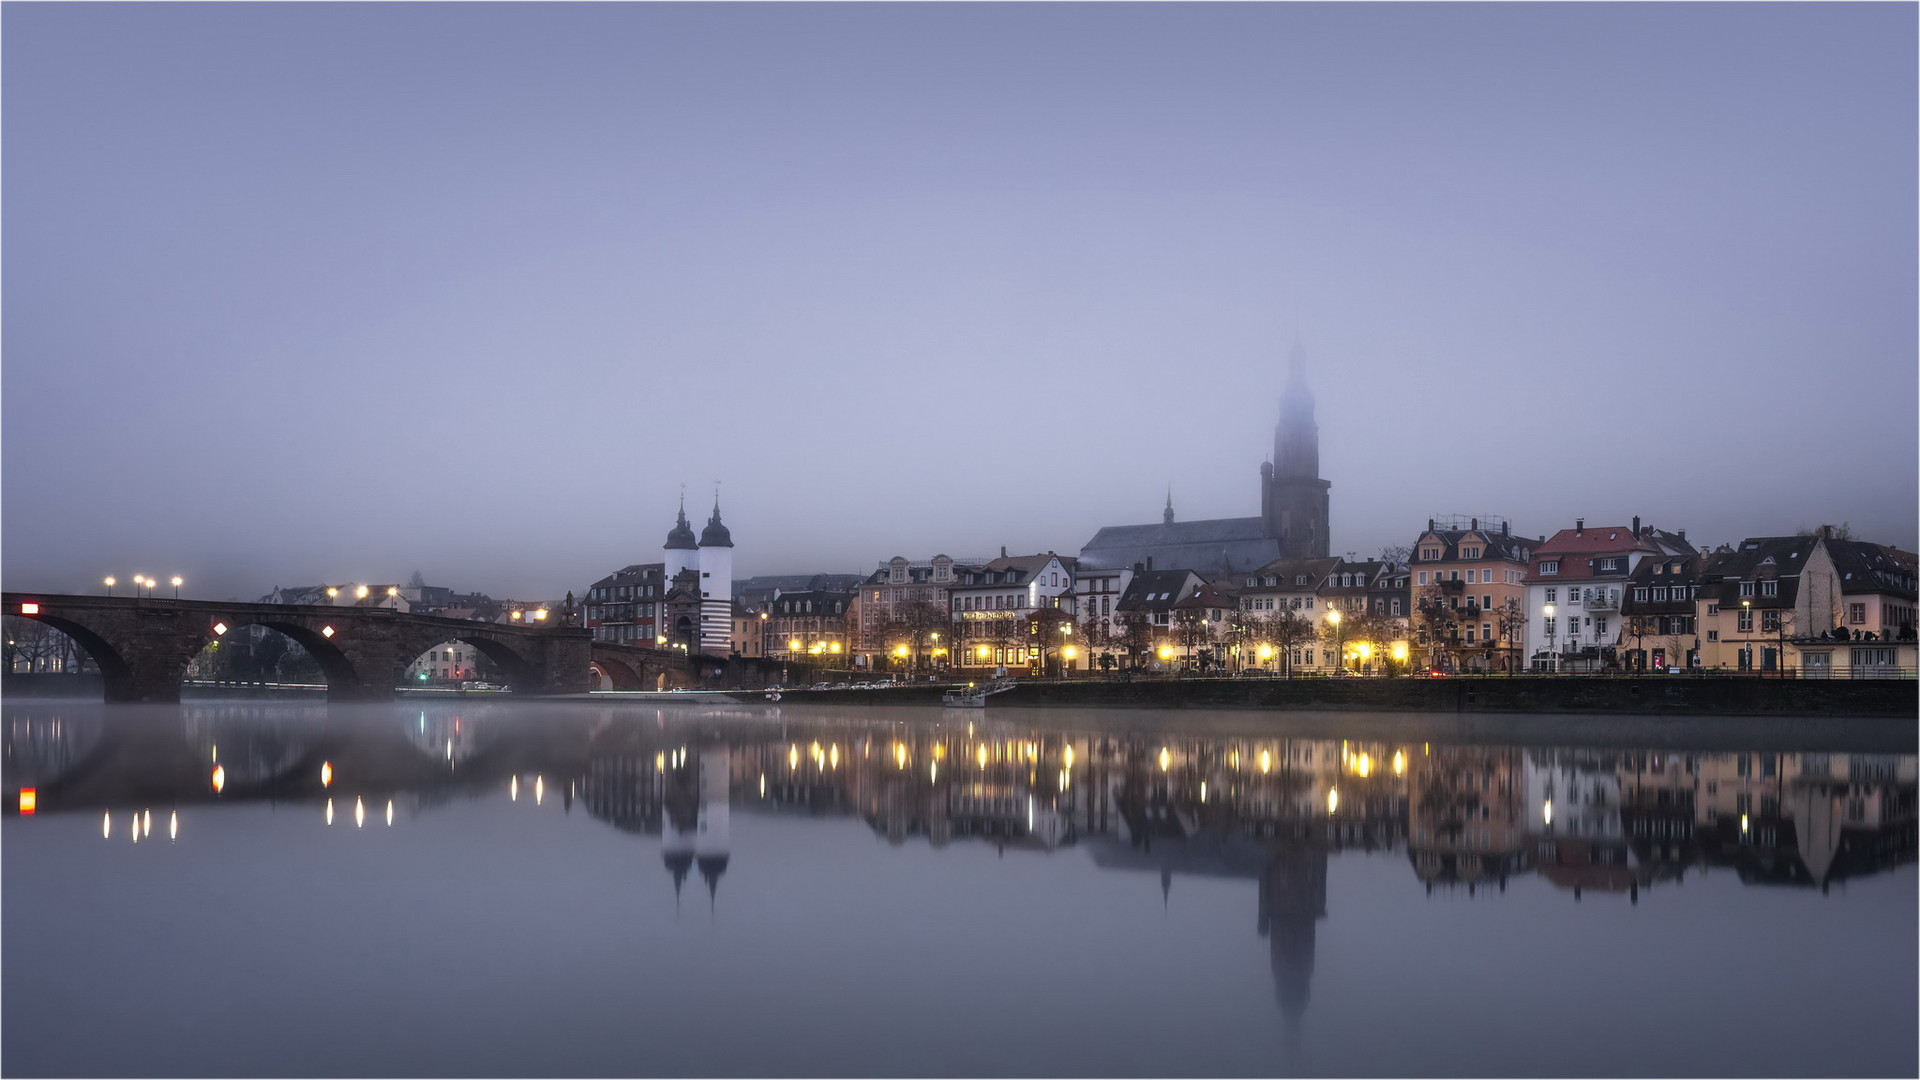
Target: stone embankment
[[1677, 695]]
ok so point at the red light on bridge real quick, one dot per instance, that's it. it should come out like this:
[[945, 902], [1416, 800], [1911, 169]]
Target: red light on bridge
[[29, 801], [326, 774], [29, 608]]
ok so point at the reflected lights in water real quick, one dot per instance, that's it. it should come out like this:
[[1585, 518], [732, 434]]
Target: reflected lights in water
[[326, 774], [329, 811], [219, 778], [173, 825], [1333, 800], [1266, 762], [106, 825], [1164, 759], [1399, 763], [1546, 812], [359, 813], [146, 824], [29, 801], [513, 789], [389, 813], [539, 789]]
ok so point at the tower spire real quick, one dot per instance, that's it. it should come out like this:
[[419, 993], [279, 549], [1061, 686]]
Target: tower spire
[[1167, 516]]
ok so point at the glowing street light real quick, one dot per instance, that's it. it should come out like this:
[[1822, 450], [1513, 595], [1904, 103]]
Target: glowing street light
[[176, 586], [109, 586], [1547, 612]]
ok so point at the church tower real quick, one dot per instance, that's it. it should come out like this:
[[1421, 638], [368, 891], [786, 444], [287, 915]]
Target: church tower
[[1293, 498]]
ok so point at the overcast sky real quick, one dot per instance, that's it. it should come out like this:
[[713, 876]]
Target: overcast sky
[[315, 293]]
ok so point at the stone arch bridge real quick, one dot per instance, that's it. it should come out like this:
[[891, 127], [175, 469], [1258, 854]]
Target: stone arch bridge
[[143, 646]]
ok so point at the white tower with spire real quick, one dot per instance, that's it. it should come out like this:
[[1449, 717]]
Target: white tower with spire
[[716, 584]]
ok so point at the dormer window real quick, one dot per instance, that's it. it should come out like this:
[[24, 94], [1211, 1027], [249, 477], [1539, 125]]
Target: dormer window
[[1430, 554], [1746, 588], [1549, 566], [1770, 588], [1469, 552]]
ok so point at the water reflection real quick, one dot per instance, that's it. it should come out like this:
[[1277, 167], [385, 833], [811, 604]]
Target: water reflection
[[1460, 819]]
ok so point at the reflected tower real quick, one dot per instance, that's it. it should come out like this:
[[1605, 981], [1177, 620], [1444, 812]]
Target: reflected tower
[[1293, 899], [713, 836]]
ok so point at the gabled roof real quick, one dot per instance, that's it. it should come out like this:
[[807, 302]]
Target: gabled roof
[[1206, 596], [1219, 544], [1157, 590], [627, 575], [1872, 568], [1499, 545], [1286, 570]]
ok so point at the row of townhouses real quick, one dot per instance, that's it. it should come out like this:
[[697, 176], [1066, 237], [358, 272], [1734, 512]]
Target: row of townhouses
[[1468, 595]]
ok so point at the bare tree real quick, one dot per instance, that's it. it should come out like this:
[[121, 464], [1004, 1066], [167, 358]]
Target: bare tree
[[1437, 619], [1287, 631]]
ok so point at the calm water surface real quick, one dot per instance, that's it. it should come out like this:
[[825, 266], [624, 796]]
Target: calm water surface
[[588, 890]]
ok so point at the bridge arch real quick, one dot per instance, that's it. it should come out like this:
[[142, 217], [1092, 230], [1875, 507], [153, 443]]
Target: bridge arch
[[335, 666], [115, 671], [520, 672], [617, 675]]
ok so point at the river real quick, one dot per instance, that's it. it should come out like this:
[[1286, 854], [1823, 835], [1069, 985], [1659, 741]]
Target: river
[[533, 889]]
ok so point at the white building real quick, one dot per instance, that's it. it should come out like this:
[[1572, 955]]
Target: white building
[[1575, 583]]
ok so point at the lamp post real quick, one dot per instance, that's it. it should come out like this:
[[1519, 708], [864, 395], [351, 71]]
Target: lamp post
[[109, 586], [1339, 638], [176, 586], [1552, 655], [1746, 618]]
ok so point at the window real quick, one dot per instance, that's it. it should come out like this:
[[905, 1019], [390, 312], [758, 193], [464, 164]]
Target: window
[[1394, 606], [1550, 595], [1453, 575], [1856, 614], [1659, 595], [1713, 609], [1770, 588], [1769, 621], [1549, 621], [1431, 554], [1299, 579], [1423, 577], [1469, 635], [1746, 588], [1600, 627], [1746, 622], [1486, 631], [1713, 635], [1486, 601], [1486, 576], [1640, 595], [1549, 566], [1609, 564]]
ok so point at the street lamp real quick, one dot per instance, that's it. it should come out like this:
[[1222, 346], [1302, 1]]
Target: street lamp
[[1552, 655], [1340, 638], [1746, 617], [109, 586], [176, 586]]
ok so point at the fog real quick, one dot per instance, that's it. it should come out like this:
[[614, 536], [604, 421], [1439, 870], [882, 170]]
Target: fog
[[317, 293]]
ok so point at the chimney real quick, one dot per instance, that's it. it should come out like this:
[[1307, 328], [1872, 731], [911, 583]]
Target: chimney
[[1149, 562], [1505, 529], [1139, 568], [1826, 532], [1429, 524], [1003, 551], [1682, 534], [1474, 524], [1579, 526], [1636, 526]]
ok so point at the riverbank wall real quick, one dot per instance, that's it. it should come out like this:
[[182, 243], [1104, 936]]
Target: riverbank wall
[[1671, 695]]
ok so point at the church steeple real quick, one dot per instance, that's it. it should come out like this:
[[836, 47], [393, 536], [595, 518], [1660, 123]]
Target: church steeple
[[1293, 498], [1167, 516], [1296, 438]]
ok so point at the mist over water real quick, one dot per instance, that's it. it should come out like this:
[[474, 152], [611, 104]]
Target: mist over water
[[586, 889]]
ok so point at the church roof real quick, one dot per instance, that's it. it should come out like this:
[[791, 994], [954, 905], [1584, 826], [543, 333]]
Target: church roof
[[1221, 544]]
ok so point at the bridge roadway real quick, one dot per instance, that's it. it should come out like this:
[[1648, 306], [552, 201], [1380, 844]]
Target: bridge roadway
[[144, 644]]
